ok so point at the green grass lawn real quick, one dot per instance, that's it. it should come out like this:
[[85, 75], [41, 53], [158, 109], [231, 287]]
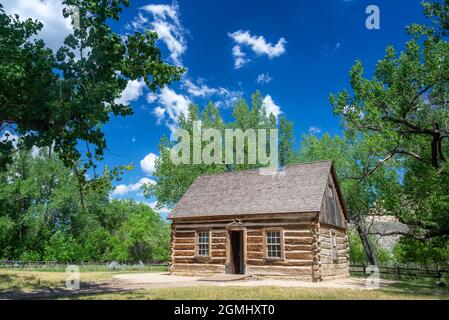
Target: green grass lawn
[[400, 291], [29, 281]]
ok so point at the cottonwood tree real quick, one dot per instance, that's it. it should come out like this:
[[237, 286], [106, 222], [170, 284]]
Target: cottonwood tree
[[62, 99], [173, 180], [401, 115], [351, 159]]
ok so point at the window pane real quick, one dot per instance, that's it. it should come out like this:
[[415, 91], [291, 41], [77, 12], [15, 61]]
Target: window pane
[[203, 243], [273, 244]]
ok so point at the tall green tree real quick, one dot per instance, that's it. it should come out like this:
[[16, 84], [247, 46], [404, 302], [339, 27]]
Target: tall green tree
[[401, 114], [61, 99], [173, 180]]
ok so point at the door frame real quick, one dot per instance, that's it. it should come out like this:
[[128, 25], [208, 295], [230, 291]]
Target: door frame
[[229, 248]]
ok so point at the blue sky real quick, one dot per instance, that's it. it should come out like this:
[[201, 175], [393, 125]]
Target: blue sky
[[300, 50]]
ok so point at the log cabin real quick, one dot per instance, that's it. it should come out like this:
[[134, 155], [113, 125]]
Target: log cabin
[[290, 224]]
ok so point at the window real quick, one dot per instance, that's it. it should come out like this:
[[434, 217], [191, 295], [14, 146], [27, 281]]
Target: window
[[273, 244], [203, 243], [334, 245], [331, 206]]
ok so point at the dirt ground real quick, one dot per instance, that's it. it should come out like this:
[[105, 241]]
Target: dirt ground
[[128, 282], [164, 280]]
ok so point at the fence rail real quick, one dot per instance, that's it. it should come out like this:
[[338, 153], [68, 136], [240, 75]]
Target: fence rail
[[91, 266], [403, 271]]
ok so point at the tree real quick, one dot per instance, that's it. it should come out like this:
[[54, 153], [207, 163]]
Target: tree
[[61, 99], [41, 217], [351, 159], [174, 180], [402, 116]]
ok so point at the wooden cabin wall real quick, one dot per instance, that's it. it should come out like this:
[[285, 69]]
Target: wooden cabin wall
[[330, 269], [300, 245], [298, 252], [182, 257]]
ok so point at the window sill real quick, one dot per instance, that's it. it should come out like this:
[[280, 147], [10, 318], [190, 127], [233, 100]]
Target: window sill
[[274, 259]]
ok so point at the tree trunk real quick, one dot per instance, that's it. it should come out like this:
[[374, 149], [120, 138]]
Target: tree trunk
[[367, 246]]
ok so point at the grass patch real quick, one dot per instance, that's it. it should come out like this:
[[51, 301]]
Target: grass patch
[[402, 292]]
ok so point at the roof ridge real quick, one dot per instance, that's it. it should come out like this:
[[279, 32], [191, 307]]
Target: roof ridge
[[254, 169]]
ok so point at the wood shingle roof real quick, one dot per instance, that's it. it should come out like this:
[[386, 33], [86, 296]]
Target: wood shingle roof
[[298, 188]]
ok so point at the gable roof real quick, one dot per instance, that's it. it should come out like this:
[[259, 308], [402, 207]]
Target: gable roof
[[299, 188]]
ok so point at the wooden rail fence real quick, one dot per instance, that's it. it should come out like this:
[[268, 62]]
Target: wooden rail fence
[[403, 271]]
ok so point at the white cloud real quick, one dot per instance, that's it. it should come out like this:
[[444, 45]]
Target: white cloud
[[171, 106], [132, 92], [226, 97], [148, 164], [122, 189], [49, 12], [270, 106], [239, 57], [200, 90], [257, 44], [264, 78], [314, 130], [166, 23]]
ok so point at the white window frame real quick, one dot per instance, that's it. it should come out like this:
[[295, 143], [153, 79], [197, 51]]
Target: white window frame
[[268, 244], [199, 251]]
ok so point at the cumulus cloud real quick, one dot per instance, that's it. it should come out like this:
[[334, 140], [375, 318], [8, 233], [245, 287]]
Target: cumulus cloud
[[257, 44], [123, 189], [148, 164], [171, 105], [314, 130], [239, 57], [165, 21], [225, 96], [132, 92], [264, 78], [270, 106], [49, 12]]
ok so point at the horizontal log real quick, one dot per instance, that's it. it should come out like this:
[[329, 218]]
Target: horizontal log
[[198, 260], [254, 233], [297, 247], [254, 255], [286, 263], [261, 224], [218, 240], [297, 233], [298, 240], [248, 217], [254, 240], [197, 268], [184, 247], [219, 234], [254, 247], [218, 253], [183, 253], [299, 255], [184, 240], [219, 246], [281, 271], [184, 234]]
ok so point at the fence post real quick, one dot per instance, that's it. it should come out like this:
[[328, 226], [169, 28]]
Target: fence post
[[398, 271], [364, 268]]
